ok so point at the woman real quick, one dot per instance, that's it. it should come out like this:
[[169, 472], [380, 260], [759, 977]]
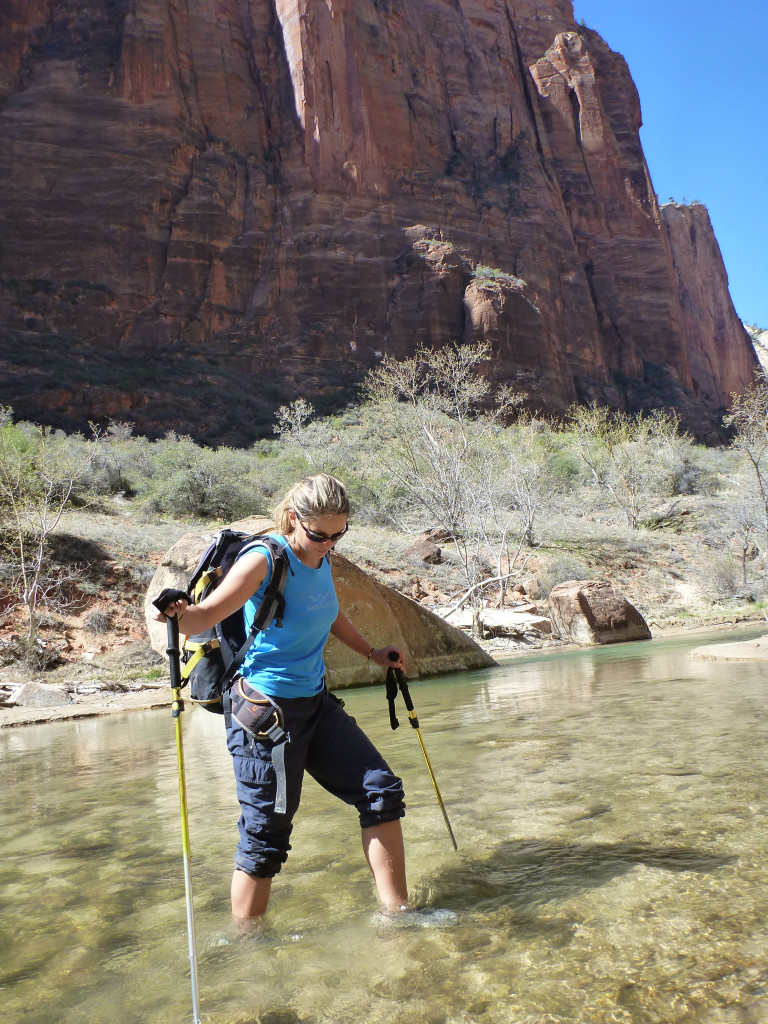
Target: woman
[[286, 664]]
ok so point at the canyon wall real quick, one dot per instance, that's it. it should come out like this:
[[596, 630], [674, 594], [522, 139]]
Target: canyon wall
[[209, 207]]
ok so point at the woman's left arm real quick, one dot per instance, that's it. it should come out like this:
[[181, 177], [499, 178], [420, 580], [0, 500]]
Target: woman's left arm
[[343, 630]]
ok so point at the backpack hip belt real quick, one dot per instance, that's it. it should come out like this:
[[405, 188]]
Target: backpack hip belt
[[262, 719]]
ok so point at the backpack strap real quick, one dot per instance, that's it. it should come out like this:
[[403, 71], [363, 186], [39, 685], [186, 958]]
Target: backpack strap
[[196, 651], [271, 609], [205, 581]]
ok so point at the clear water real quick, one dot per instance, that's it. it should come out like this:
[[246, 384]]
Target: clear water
[[611, 817]]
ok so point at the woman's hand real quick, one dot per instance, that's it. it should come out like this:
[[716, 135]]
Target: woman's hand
[[388, 657], [172, 602]]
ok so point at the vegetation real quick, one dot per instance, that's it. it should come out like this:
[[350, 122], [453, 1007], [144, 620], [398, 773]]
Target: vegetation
[[516, 503], [39, 471]]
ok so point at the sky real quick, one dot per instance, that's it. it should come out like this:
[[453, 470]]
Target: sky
[[700, 69]]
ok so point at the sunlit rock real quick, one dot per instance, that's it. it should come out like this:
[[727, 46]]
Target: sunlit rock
[[589, 612], [381, 614]]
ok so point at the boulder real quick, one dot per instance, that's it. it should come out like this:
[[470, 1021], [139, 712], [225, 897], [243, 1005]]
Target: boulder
[[40, 695], [383, 616], [589, 612], [424, 550]]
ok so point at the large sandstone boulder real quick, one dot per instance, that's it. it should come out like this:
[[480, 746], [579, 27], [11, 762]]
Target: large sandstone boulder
[[589, 612], [382, 615], [35, 694]]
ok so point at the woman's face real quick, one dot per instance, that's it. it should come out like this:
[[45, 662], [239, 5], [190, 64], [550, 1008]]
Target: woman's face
[[318, 535]]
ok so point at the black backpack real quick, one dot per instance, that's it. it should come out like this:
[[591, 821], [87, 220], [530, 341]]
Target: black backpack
[[211, 659]]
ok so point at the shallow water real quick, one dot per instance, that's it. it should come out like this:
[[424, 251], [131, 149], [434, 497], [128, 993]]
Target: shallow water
[[610, 812]]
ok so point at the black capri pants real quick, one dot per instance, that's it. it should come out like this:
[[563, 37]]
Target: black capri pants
[[324, 741]]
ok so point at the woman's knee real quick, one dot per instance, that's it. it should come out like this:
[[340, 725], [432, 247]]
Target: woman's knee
[[384, 798], [262, 863]]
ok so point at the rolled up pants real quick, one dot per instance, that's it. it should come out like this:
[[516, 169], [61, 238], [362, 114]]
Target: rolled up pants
[[324, 741]]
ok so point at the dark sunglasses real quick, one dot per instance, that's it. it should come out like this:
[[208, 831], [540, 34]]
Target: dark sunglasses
[[321, 538]]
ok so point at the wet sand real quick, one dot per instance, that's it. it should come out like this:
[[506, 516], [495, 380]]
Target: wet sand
[[740, 650]]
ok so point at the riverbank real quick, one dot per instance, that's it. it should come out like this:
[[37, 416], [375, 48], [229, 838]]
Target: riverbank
[[88, 706], [155, 694]]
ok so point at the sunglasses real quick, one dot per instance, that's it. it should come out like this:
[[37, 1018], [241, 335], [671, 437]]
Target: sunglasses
[[322, 538]]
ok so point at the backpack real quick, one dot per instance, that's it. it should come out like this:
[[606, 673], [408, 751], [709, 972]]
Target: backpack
[[210, 660]]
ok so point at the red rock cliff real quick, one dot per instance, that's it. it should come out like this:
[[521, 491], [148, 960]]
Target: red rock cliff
[[266, 195]]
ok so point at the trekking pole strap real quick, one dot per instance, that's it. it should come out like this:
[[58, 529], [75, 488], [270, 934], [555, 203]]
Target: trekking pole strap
[[406, 697], [391, 690]]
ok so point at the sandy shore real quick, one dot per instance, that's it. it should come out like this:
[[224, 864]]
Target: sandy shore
[[740, 650], [105, 703]]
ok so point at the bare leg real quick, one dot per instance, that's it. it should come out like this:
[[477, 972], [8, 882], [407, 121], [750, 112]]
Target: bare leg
[[385, 853], [250, 896]]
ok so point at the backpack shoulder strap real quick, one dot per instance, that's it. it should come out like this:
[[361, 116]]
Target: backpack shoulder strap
[[272, 604]]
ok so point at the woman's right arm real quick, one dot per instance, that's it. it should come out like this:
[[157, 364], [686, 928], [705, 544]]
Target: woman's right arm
[[241, 582]]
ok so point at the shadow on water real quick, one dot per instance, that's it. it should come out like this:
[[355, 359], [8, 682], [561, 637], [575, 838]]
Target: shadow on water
[[528, 874]]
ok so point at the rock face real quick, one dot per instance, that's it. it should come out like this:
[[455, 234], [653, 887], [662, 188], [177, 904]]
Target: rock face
[[431, 646], [263, 196], [589, 612]]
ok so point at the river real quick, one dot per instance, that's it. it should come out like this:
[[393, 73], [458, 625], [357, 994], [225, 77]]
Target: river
[[610, 811]]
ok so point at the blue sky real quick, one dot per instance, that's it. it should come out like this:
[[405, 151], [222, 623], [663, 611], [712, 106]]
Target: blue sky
[[700, 69]]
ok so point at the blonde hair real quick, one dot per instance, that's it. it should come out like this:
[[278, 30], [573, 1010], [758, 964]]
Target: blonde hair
[[315, 496]]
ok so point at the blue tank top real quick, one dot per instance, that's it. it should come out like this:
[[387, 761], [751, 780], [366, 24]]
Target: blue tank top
[[287, 661]]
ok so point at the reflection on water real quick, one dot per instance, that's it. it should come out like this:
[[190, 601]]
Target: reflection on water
[[610, 811]]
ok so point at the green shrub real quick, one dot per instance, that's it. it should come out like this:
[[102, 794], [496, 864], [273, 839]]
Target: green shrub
[[560, 569], [201, 482]]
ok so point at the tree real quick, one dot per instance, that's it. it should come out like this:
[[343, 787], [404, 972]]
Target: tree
[[748, 418], [445, 458], [632, 458], [323, 448], [743, 522], [39, 470]]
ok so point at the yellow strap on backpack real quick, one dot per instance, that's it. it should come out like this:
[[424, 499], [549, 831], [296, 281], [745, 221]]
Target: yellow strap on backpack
[[197, 651], [205, 581]]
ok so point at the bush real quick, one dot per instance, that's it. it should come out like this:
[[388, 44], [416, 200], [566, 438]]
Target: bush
[[202, 483], [98, 622], [561, 569], [719, 578]]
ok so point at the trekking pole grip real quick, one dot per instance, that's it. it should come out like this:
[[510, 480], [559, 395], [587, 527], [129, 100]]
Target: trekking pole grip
[[400, 677], [173, 652]]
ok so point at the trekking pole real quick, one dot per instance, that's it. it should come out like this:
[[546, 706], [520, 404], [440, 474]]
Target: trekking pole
[[177, 708], [393, 675]]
